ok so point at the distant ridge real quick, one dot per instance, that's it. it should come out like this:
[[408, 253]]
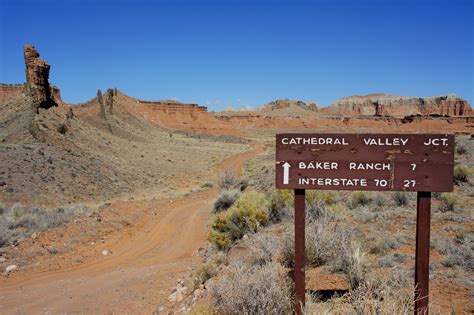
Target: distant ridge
[[399, 106]]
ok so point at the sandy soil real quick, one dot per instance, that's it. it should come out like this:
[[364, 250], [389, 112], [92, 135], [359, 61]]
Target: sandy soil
[[137, 272]]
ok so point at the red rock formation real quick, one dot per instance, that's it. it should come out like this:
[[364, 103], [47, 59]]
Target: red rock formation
[[37, 75], [8, 91], [56, 94], [172, 107], [399, 106]]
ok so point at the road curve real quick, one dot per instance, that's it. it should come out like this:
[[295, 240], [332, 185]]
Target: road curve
[[139, 273]]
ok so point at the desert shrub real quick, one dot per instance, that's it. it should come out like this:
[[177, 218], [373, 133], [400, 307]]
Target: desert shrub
[[263, 249], [436, 195], [243, 184], [207, 184], [281, 205], [461, 149], [253, 290], [246, 215], [459, 251], [352, 263], [461, 174], [225, 200], [227, 179], [203, 273], [400, 198], [18, 223], [52, 250], [339, 210], [331, 245], [391, 260], [394, 242], [198, 309], [385, 244], [366, 214], [448, 202], [379, 200], [359, 198], [318, 196], [315, 210], [391, 294]]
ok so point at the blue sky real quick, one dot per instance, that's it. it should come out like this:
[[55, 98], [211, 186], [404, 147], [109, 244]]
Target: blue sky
[[244, 53]]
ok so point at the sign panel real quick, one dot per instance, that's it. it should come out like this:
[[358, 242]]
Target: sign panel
[[381, 162]]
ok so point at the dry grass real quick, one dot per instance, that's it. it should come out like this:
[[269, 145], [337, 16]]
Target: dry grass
[[227, 180], [255, 289], [18, 223], [384, 295]]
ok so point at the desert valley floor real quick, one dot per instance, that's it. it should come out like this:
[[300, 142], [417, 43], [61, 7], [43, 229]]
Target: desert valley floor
[[113, 206]]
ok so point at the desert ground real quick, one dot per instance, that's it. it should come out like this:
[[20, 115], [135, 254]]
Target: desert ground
[[120, 205]]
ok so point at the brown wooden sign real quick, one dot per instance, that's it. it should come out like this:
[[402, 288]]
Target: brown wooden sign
[[387, 162], [380, 162]]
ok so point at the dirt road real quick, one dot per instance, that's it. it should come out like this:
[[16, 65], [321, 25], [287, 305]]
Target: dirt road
[[139, 270]]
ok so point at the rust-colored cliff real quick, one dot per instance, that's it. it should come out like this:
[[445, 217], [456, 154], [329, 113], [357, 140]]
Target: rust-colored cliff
[[399, 106]]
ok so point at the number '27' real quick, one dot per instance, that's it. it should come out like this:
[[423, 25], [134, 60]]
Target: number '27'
[[409, 183]]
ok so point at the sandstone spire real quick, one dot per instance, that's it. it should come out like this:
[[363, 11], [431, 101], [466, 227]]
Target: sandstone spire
[[37, 74]]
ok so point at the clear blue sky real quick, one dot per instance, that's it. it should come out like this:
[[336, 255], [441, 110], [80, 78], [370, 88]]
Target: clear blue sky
[[244, 53]]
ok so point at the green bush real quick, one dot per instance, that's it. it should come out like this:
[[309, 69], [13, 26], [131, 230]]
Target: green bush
[[359, 198], [246, 215], [461, 174], [449, 202]]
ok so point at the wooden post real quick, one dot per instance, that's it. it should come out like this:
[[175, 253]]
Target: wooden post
[[299, 250], [422, 256]]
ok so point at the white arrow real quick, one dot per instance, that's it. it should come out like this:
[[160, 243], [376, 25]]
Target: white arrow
[[286, 173]]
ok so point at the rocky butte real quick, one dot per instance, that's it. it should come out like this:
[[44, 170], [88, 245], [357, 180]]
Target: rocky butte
[[400, 106], [37, 76]]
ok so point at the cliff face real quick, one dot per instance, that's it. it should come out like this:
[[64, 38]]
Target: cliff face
[[400, 106], [173, 107]]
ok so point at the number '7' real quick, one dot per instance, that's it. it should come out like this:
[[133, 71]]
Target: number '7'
[[413, 166]]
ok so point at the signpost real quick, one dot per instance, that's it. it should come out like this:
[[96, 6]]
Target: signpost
[[377, 162]]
